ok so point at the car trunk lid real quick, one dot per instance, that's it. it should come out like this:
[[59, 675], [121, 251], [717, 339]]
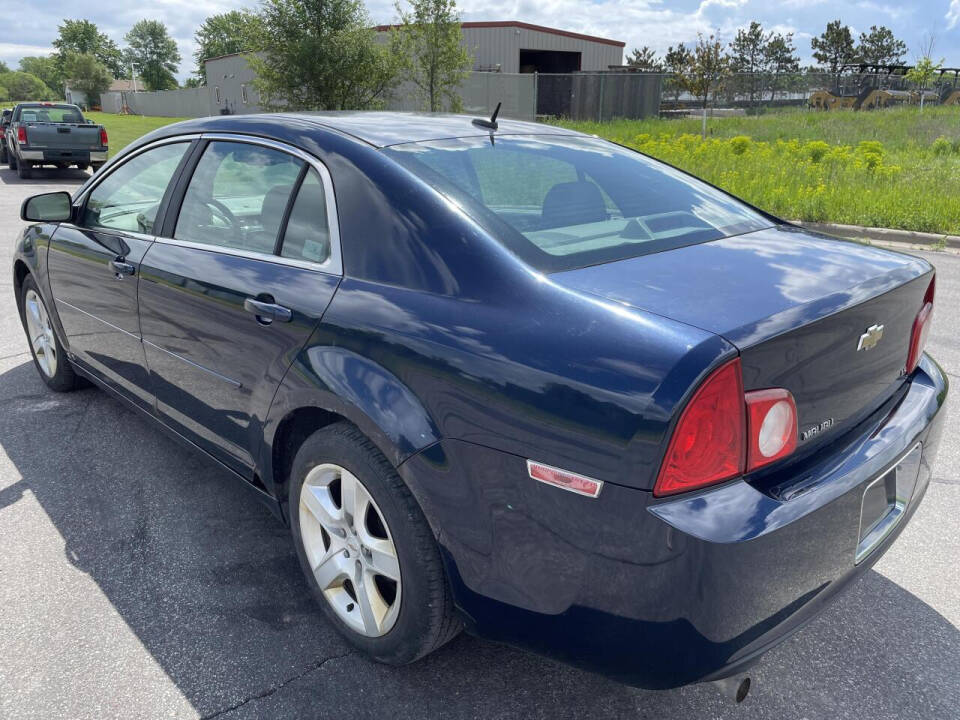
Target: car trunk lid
[[795, 304]]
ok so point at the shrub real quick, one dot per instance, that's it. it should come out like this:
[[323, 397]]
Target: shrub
[[740, 144], [816, 150], [942, 146]]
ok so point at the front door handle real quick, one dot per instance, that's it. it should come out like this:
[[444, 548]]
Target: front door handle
[[121, 268], [267, 312]]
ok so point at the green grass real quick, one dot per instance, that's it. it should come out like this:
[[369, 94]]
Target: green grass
[[124, 129], [889, 168]]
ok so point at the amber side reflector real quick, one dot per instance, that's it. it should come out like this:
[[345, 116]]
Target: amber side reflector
[[564, 479]]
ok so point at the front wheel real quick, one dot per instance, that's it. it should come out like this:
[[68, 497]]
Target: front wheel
[[48, 354], [366, 549]]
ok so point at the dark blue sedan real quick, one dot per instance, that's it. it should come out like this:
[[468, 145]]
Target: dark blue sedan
[[503, 376]]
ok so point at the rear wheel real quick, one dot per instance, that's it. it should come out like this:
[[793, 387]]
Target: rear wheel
[[24, 170], [3, 153], [96, 166], [48, 355], [11, 160], [366, 549]]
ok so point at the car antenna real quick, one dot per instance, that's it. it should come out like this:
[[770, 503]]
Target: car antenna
[[491, 123]]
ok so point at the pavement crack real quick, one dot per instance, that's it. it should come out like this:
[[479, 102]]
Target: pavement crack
[[7, 357], [277, 687]]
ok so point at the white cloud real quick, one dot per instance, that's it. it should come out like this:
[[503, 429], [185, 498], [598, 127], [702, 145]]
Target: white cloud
[[953, 14]]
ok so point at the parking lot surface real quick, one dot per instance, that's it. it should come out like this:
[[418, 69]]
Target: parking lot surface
[[139, 580]]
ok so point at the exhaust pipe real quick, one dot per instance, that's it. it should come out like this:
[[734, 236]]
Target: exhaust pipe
[[735, 686]]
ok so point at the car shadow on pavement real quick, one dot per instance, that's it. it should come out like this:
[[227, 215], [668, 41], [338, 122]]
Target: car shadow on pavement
[[207, 580], [45, 176]]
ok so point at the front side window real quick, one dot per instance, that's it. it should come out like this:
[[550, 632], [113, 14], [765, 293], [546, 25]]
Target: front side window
[[238, 197], [129, 197], [563, 202]]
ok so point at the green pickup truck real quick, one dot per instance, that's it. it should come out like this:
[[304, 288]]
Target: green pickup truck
[[53, 134]]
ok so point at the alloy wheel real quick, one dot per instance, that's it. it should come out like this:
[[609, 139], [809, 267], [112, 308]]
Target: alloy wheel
[[350, 550], [42, 340]]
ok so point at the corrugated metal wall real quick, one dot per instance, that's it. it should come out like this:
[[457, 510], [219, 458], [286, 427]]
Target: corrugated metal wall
[[502, 45]]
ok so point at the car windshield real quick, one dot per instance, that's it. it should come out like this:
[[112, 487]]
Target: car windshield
[[564, 202]]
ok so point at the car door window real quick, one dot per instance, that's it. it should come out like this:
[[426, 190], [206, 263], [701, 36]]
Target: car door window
[[307, 236], [238, 197], [130, 196]]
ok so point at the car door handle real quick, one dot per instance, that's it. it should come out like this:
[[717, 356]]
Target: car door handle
[[267, 312], [121, 268]]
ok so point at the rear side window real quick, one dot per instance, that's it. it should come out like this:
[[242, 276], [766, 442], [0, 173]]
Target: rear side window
[[307, 236], [563, 202], [238, 197], [129, 197]]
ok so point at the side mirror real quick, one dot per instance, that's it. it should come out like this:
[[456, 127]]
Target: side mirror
[[49, 207]]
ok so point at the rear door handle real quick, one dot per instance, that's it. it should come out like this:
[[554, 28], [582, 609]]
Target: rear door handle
[[267, 312], [121, 268]]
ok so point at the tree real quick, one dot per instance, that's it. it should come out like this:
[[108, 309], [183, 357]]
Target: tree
[[193, 82], [747, 55], [645, 58], [154, 54], [44, 68], [922, 73], [88, 75], [676, 62], [880, 47], [707, 70], [780, 60], [224, 34], [84, 37], [320, 55], [834, 48], [429, 44], [3, 67], [24, 86]]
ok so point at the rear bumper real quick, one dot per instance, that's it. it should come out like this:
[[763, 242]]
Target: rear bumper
[[71, 157], [663, 592]]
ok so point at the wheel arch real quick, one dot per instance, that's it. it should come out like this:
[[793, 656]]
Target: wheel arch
[[328, 384]]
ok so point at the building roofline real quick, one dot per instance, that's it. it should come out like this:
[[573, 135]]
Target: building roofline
[[527, 26]]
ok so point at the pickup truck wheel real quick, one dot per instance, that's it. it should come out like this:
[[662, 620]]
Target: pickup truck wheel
[[3, 154], [96, 166], [82, 167], [11, 161], [366, 549], [48, 354], [24, 170]]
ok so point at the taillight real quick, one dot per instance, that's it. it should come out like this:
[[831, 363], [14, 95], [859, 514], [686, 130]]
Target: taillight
[[771, 426], [921, 328], [724, 432], [708, 442], [22, 135], [103, 137]]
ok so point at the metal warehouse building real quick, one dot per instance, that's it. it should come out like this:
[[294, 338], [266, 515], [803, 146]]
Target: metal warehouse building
[[518, 47]]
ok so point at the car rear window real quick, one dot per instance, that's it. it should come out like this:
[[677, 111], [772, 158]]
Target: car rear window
[[51, 113], [563, 202]]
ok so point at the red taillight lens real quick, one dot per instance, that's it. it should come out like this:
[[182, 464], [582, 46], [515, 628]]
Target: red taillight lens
[[708, 442], [771, 426], [921, 328], [103, 136], [22, 135]]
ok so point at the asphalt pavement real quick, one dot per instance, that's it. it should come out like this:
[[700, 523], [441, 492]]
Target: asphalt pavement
[[138, 580]]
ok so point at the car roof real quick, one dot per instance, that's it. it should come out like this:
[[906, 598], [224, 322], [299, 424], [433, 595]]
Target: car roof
[[379, 129]]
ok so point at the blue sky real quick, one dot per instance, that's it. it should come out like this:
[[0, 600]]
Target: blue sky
[[657, 23]]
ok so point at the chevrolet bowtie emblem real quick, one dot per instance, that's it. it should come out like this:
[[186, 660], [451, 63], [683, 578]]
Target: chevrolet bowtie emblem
[[870, 338]]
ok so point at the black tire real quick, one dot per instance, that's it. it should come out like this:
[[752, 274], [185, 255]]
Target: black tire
[[11, 160], [24, 170], [64, 379], [96, 166], [82, 167], [427, 618], [3, 153]]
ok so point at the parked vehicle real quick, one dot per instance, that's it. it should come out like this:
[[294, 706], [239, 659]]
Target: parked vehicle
[[53, 134], [518, 378], [5, 115]]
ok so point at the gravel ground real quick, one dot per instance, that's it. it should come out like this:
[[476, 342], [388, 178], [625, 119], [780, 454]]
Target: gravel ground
[[138, 580]]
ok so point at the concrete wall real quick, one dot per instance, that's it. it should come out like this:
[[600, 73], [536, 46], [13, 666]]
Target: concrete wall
[[230, 86]]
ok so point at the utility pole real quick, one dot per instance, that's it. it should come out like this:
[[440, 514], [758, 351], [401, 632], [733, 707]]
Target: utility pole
[[133, 75]]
